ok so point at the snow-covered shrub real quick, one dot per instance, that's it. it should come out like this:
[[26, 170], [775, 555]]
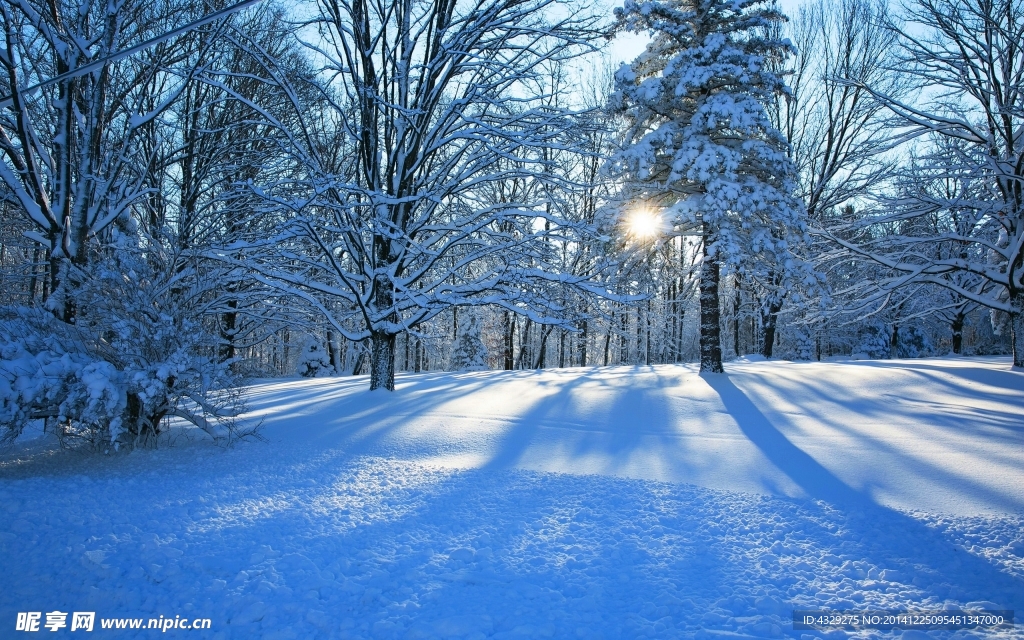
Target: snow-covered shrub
[[46, 371], [805, 347], [913, 342], [136, 352], [314, 361], [873, 340], [470, 354]]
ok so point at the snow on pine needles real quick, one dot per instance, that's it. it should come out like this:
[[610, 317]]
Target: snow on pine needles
[[486, 504]]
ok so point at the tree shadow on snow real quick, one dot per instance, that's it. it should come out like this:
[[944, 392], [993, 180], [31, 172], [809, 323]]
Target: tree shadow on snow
[[910, 543]]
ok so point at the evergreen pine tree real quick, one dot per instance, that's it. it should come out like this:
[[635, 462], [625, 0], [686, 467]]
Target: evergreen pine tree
[[700, 142], [470, 354], [314, 361]]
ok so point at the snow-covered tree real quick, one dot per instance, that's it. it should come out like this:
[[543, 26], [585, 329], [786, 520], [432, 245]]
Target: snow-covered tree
[[120, 171], [701, 144], [71, 154], [470, 354], [137, 352], [928, 202], [838, 135], [965, 58], [314, 361], [425, 105]]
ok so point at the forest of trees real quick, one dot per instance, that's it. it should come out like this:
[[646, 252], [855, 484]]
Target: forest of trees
[[336, 188]]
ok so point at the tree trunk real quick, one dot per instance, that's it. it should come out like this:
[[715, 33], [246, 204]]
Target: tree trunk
[[541, 360], [608, 341], [510, 340], [769, 320], [679, 336], [672, 321], [357, 367], [228, 330], [37, 257], [958, 333], [736, 318], [382, 361], [894, 341], [647, 358], [334, 353], [710, 325], [771, 306], [1017, 328], [624, 338], [583, 345], [524, 344], [286, 350], [639, 340], [382, 341]]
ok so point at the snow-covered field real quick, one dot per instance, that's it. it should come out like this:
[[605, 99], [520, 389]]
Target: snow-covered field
[[615, 503]]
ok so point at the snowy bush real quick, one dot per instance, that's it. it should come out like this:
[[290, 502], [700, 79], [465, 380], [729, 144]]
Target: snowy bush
[[913, 342], [470, 354], [45, 372], [137, 352], [314, 361], [873, 340], [806, 346]]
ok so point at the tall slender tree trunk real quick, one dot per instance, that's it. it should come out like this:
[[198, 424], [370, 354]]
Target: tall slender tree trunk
[[639, 339], [647, 358], [710, 314], [736, 317], [672, 321], [624, 338], [770, 309], [510, 340], [583, 344], [524, 344], [37, 256], [541, 359], [228, 330], [1017, 327], [608, 340], [958, 332], [679, 335]]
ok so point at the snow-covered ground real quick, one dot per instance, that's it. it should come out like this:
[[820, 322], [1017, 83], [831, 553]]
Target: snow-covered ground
[[616, 503]]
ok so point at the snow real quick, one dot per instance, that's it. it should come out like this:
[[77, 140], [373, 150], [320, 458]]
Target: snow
[[750, 357], [591, 502]]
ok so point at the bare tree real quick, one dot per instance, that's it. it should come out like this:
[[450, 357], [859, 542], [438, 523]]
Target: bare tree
[[71, 152], [966, 59], [425, 104], [838, 134]]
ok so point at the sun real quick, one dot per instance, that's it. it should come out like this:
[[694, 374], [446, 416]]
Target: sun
[[643, 225]]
